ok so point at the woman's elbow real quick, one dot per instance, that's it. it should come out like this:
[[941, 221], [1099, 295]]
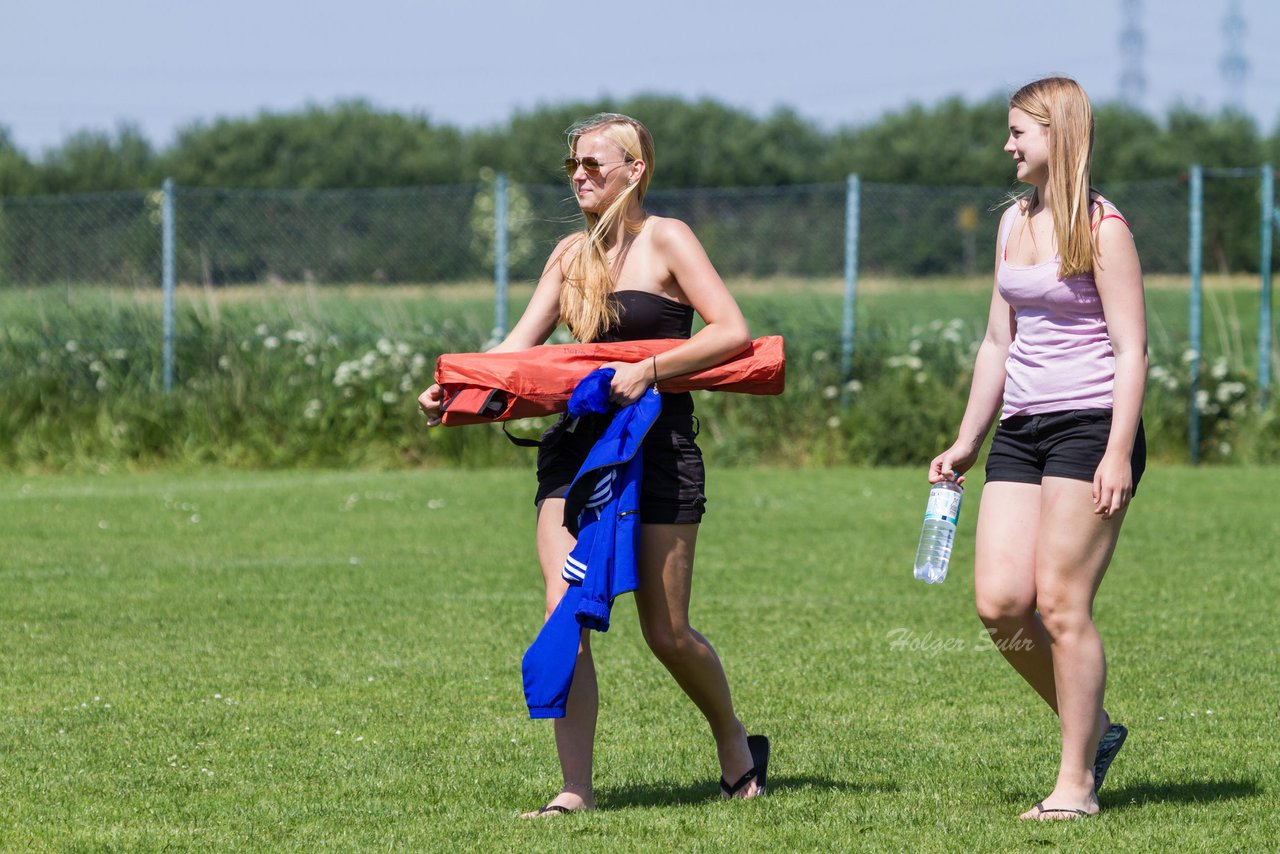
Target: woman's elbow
[[738, 336]]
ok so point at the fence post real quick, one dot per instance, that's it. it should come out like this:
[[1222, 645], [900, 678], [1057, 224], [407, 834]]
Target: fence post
[[167, 278], [1264, 310], [1196, 262], [500, 255], [852, 219]]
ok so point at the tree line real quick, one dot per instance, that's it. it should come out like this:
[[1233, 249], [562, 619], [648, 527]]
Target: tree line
[[700, 143]]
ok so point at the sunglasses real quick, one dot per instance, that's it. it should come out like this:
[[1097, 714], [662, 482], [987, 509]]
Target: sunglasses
[[589, 165]]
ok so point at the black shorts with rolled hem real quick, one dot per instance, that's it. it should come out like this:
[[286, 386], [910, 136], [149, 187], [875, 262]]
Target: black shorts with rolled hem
[[1067, 444], [673, 488]]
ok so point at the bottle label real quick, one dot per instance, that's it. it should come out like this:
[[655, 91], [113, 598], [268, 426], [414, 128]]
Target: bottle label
[[944, 506]]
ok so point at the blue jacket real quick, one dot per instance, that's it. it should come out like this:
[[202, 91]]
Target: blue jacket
[[602, 508]]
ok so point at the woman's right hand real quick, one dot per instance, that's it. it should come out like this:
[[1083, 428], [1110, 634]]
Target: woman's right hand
[[429, 402], [952, 463]]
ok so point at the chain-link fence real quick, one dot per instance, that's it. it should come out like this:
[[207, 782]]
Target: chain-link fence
[[429, 235]]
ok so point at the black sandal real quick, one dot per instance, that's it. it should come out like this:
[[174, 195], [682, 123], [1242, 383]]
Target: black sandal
[[1041, 809], [549, 811], [759, 747], [1108, 746]]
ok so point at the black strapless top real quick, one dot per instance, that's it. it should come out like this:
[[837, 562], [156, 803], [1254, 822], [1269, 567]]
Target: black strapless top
[[644, 315]]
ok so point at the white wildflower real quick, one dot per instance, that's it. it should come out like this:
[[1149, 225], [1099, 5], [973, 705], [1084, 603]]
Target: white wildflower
[[1228, 392], [831, 392], [913, 363], [73, 346], [271, 342]]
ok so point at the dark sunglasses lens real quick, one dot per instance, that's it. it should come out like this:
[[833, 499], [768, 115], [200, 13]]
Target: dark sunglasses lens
[[589, 164]]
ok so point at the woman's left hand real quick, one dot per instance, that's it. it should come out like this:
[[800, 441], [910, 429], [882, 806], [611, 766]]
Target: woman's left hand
[[629, 381], [1112, 485]]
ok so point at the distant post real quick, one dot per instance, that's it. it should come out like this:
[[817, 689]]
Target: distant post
[[500, 255], [1196, 263], [852, 217], [1264, 309], [167, 277]]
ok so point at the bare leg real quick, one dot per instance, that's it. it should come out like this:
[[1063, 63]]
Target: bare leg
[[1073, 550], [1005, 581], [576, 731], [666, 576]]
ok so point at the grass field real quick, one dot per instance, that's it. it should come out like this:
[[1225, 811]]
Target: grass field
[[305, 660]]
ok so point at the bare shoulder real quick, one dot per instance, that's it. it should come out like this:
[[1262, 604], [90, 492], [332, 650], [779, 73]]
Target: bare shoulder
[[564, 251], [668, 232]]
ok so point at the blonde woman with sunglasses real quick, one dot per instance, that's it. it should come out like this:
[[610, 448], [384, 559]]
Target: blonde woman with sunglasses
[[1064, 364], [630, 275]]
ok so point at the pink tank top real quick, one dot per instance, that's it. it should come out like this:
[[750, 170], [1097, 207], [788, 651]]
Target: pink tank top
[[1061, 356]]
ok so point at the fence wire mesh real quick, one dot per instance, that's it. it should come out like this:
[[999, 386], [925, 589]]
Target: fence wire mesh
[[428, 235]]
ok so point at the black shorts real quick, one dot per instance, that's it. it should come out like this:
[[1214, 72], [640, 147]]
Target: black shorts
[[673, 488], [1057, 444]]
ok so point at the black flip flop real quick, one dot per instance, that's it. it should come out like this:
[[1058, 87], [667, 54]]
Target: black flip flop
[[1041, 809], [1108, 746], [759, 747]]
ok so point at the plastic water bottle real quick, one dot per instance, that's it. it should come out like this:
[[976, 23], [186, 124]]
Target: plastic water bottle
[[939, 531]]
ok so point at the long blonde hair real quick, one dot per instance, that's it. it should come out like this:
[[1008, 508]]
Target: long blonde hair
[[1062, 107], [584, 303]]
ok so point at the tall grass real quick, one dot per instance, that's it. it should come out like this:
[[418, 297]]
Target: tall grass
[[286, 377]]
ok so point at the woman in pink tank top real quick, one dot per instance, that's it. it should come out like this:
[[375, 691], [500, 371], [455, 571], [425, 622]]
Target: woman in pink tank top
[[1064, 365]]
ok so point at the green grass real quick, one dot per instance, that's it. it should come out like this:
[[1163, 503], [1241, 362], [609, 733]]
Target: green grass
[[304, 660]]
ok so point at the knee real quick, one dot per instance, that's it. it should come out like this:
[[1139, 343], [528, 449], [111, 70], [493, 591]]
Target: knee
[[669, 644], [1060, 614], [998, 607]]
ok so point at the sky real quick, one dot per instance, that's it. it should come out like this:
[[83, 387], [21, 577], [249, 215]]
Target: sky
[[165, 65]]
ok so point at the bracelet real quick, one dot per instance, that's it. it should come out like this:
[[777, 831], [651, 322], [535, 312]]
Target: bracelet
[[654, 360]]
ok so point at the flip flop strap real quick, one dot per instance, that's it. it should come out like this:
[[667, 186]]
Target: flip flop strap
[[737, 787]]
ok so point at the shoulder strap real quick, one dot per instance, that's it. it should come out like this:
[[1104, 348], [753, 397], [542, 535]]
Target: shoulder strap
[[1109, 211], [1006, 228]]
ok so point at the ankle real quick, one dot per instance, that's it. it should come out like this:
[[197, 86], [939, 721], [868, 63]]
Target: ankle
[[579, 789]]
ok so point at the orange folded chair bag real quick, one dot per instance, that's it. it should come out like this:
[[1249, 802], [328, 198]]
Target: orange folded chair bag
[[478, 388]]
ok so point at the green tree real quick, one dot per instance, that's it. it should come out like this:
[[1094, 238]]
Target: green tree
[[952, 143], [349, 145], [17, 174], [93, 161]]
